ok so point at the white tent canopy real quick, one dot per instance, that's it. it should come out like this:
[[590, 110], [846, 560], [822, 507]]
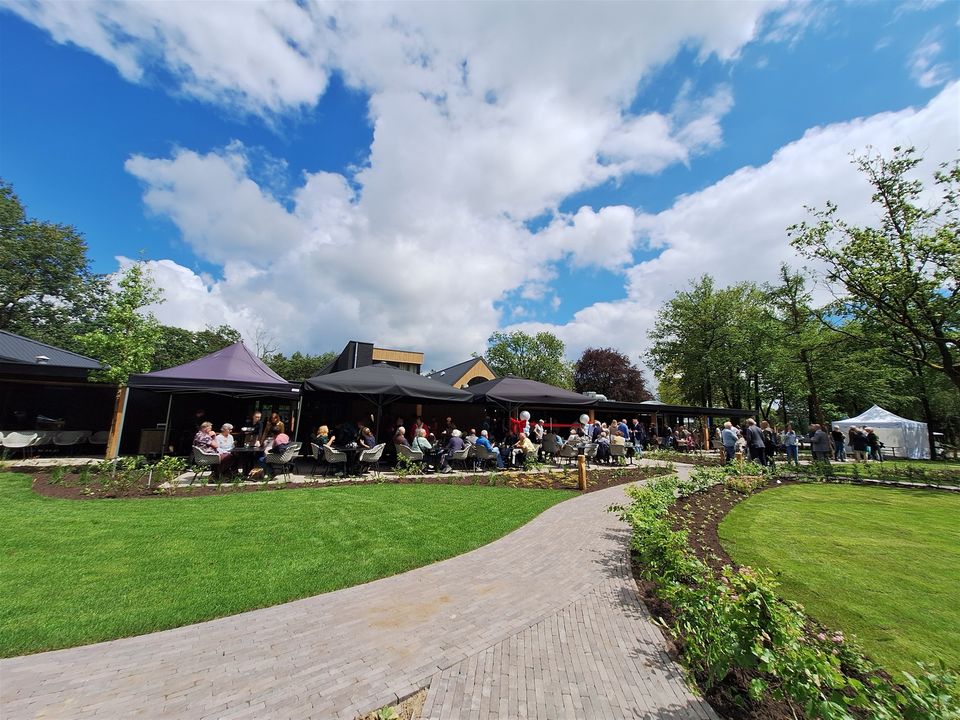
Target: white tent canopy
[[902, 437]]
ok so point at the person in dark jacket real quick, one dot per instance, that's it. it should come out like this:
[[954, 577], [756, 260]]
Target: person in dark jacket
[[755, 445], [819, 444], [875, 445]]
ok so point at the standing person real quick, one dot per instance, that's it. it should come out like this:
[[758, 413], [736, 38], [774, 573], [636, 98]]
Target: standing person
[[755, 444], [790, 445], [857, 440], [839, 452], [769, 440], [728, 437], [819, 444], [256, 427], [873, 440]]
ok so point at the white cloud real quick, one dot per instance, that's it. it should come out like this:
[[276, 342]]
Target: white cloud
[[924, 68], [736, 228]]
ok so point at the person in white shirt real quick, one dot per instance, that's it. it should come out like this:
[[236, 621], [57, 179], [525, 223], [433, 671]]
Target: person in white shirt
[[225, 438]]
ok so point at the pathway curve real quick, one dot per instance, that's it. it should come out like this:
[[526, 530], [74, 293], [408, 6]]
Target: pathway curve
[[544, 622]]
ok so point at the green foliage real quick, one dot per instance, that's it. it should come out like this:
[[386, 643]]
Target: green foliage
[[737, 621], [126, 336], [406, 466], [299, 366], [746, 484], [535, 357], [176, 346], [47, 291], [905, 273], [386, 713]]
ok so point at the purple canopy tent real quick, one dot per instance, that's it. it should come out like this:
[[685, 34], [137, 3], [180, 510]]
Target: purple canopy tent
[[233, 371]]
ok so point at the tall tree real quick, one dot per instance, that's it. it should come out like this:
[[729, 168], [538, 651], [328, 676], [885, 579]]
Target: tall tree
[[904, 273], [126, 337], [535, 357], [47, 291], [610, 373]]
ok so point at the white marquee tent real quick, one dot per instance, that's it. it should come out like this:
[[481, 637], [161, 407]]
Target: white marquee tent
[[905, 438]]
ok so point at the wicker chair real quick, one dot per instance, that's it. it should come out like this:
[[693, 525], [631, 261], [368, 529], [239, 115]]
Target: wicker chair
[[283, 460], [370, 459], [618, 453], [568, 453], [204, 461], [409, 453], [333, 458], [460, 457]]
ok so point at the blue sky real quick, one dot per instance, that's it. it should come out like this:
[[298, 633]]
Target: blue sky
[[420, 175]]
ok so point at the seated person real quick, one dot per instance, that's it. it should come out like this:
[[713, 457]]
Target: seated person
[[224, 438], [367, 440], [431, 455], [484, 442], [280, 443], [345, 436], [454, 444], [400, 437], [206, 441], [322, 437], [471, 437], [523, 449], [603, 447]]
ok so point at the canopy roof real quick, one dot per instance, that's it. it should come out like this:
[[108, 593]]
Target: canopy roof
[[234, 370], [22, 356], [516, 390], [385, 380], [877, 416]]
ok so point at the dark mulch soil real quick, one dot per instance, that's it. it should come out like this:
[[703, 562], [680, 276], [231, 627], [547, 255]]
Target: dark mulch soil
[[71, 485]]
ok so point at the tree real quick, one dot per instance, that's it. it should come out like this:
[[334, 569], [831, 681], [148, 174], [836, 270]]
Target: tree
[[299, 366], [905, 273], [126, 337], [177, 346], [535, 357], [47, 291], [610, 373]]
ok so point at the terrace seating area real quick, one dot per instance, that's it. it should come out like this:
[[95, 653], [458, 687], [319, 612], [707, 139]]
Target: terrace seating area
[[30, 443]]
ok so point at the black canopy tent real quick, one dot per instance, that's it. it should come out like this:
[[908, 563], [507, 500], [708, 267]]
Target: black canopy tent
[[233, 372], [512, 392], [382, 384]]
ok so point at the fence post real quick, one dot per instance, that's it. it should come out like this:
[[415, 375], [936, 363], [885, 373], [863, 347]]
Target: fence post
[[582, 472]]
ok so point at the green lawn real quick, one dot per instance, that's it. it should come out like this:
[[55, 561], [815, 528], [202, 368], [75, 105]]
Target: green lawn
[[76, 572], [881, 563], [919, 471]]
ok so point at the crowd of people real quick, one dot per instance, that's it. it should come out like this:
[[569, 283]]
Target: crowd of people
[[266, 437], [763, 442]]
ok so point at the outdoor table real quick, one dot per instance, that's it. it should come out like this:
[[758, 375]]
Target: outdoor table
[[352, 451], [247, 456]]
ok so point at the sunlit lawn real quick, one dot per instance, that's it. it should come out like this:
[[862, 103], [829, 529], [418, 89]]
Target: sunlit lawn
[[76, 572], [881, 563]]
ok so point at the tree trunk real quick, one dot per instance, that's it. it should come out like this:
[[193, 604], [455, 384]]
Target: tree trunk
[[814, 411], [116, 426]]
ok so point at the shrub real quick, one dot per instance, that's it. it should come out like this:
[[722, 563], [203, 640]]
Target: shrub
[[737, 621]]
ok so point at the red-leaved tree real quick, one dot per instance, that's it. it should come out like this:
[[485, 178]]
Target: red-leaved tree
[[610, 373]]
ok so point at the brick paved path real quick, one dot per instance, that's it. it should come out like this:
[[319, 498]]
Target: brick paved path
[[542, 623]]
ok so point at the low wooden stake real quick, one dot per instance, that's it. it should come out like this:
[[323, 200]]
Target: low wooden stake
[[582, 472]]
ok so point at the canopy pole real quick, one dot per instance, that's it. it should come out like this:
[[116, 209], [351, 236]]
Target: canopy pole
[[296, 423], [166, 427]]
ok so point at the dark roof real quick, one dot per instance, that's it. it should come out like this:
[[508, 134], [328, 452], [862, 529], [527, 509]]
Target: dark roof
[[385, 380], [450, 375], [234, 370], [655, 406], [18, 349], [516, 390]]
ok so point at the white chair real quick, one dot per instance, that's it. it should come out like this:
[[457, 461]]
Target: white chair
[[67, 438], [282, 460], [568, 452], [409, 453], [371, 458], [99, 437], [317, 454], [203, 461], [484, 456], [20, 441], [333, 458], [590, 452]]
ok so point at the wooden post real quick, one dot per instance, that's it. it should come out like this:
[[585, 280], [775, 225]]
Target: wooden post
[[116, 427], [582, 472], [705, 428]]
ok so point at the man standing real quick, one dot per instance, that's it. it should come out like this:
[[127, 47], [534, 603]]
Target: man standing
[[755, 444], [819, 444], [728, 436]]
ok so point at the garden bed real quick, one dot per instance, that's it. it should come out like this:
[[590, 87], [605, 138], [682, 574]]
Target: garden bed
[[752, 653], [77, 484]]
